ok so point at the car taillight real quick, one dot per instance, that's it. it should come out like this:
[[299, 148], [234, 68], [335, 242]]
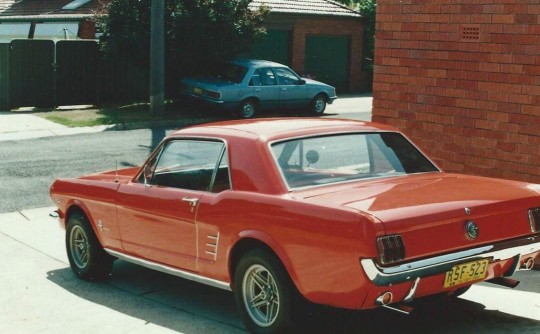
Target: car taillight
[[391, 248], [534, 219], [214, 95]]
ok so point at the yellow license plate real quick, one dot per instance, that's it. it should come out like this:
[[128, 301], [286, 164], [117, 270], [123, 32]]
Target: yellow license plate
[[466, 272], [197, 90]]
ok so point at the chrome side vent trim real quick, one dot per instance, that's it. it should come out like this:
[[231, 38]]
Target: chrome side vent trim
[[212, 243]]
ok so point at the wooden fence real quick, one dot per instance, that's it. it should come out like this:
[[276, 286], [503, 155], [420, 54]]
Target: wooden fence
[[44, 73]]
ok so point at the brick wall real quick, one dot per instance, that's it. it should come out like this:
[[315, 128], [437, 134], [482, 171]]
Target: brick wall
[[340, 26], [462, 79]]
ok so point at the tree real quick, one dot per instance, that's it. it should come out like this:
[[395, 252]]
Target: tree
[[367, 9], [198, 33]]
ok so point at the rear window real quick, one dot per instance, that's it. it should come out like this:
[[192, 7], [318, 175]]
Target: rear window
[[230, 72], [322, 160]]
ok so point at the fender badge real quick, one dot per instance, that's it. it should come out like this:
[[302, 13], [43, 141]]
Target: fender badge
[[472, 230], [467, 211]]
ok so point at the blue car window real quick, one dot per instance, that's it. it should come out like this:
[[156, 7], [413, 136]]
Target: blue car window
[[267, 77], [255, 79], [286, 77]]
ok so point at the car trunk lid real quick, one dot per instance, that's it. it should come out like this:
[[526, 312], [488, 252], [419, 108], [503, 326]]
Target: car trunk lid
[[431, 211]]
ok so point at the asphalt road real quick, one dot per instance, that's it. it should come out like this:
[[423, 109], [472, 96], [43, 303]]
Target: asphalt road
[[28, 167]]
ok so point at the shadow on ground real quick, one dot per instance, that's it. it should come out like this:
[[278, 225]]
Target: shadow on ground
[[156, 298]]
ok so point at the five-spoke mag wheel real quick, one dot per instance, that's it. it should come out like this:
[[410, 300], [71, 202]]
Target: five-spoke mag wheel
[[86, 256], [264, 293], [260, 294]]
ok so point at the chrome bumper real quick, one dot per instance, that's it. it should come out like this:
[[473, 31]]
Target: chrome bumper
[[383, 276]]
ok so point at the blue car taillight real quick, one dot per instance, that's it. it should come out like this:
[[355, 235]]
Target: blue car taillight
[[391, 249], [534, 219]]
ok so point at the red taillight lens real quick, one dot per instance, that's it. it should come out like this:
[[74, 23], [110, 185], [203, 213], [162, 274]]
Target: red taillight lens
[[534, 219], [391, 248], [213, 95]]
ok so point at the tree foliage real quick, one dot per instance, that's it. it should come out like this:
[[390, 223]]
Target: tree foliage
[[198, 33], [367, 8]]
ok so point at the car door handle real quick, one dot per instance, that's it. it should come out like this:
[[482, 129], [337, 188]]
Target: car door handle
[[192, 201], [257, 90], [283, 89]]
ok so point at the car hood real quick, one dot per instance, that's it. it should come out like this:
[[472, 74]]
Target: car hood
[[432, 206], [315, 82], [119, 176]]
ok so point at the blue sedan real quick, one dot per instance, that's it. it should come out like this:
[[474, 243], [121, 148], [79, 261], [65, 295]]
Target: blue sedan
[[248, 86]]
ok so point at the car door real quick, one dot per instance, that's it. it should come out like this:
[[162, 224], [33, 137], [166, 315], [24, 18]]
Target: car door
[[264, 86], [293, 90], [157, 214]]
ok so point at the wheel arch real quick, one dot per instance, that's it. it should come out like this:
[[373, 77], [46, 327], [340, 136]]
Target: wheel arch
[[249, 241], [79, 207]]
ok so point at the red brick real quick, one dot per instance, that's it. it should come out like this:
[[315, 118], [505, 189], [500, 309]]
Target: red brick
[[526, 18]]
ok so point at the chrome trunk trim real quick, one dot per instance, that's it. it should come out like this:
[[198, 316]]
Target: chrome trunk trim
[[383, 276], [170, 270]]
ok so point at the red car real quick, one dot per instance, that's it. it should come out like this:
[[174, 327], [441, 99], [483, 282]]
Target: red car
[[336, 212]]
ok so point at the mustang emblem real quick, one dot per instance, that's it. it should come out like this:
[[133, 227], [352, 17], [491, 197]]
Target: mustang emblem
[[472, 230], [467, 211]]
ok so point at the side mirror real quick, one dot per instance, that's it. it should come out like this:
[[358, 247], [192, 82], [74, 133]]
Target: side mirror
[[301, 82]]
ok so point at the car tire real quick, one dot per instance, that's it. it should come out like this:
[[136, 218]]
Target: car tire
[[264, 293], [86, 256], [318, 105], [248, 109]]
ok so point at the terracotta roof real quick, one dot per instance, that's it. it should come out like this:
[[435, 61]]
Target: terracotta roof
[[310, 7], [53, 8], [44, 8]]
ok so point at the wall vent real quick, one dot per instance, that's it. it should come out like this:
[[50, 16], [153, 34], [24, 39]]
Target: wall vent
[[470, 33]]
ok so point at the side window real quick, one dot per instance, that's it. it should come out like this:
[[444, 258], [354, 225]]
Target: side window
[[286, 76], [267, 77], [256, 79], [190, 164]]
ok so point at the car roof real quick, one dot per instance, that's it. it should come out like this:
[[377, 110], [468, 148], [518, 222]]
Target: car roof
[[257, 63], [271, 129]]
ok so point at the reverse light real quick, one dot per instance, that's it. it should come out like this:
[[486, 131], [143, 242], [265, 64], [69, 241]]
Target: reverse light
[[391, 248], [534, 219]]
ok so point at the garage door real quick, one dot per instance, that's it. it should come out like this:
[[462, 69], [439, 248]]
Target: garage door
[[276, 46], [327, 60]]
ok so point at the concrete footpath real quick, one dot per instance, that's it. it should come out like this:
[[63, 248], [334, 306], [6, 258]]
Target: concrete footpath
[[21, 126]]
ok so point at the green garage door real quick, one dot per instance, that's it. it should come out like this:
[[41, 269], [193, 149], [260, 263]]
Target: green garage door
[[276, 46], [327, 60], [4, 76]]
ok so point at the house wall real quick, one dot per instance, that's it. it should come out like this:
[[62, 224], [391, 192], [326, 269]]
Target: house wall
[[354, 28], [462, 79]]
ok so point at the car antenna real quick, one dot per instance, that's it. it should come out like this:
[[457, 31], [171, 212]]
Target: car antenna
[[116, 174]]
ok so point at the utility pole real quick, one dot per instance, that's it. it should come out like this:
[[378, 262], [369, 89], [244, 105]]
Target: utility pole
[[157, 58]]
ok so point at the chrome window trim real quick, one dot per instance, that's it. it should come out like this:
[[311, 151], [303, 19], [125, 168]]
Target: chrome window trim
[[382, 276], [170, 270]]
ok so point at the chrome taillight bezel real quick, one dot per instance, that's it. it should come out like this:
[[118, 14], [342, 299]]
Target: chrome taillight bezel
[[391, 248], [534, 219]]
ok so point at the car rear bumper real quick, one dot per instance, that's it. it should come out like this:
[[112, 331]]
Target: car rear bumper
[[519, 250]]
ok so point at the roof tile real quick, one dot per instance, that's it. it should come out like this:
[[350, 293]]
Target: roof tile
[[313, 7]]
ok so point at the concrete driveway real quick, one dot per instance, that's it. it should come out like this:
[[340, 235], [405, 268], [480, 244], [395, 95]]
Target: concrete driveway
[[40, 294]]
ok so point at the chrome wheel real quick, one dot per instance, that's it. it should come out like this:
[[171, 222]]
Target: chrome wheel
[[80, 248], [248, 109], [261, 295], [86, 256], [319, 104]]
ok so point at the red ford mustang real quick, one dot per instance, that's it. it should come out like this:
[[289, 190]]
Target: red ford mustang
[[336, 212]]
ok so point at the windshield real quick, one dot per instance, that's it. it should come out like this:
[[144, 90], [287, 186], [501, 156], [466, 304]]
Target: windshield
[[230, 72], [338, 158]]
